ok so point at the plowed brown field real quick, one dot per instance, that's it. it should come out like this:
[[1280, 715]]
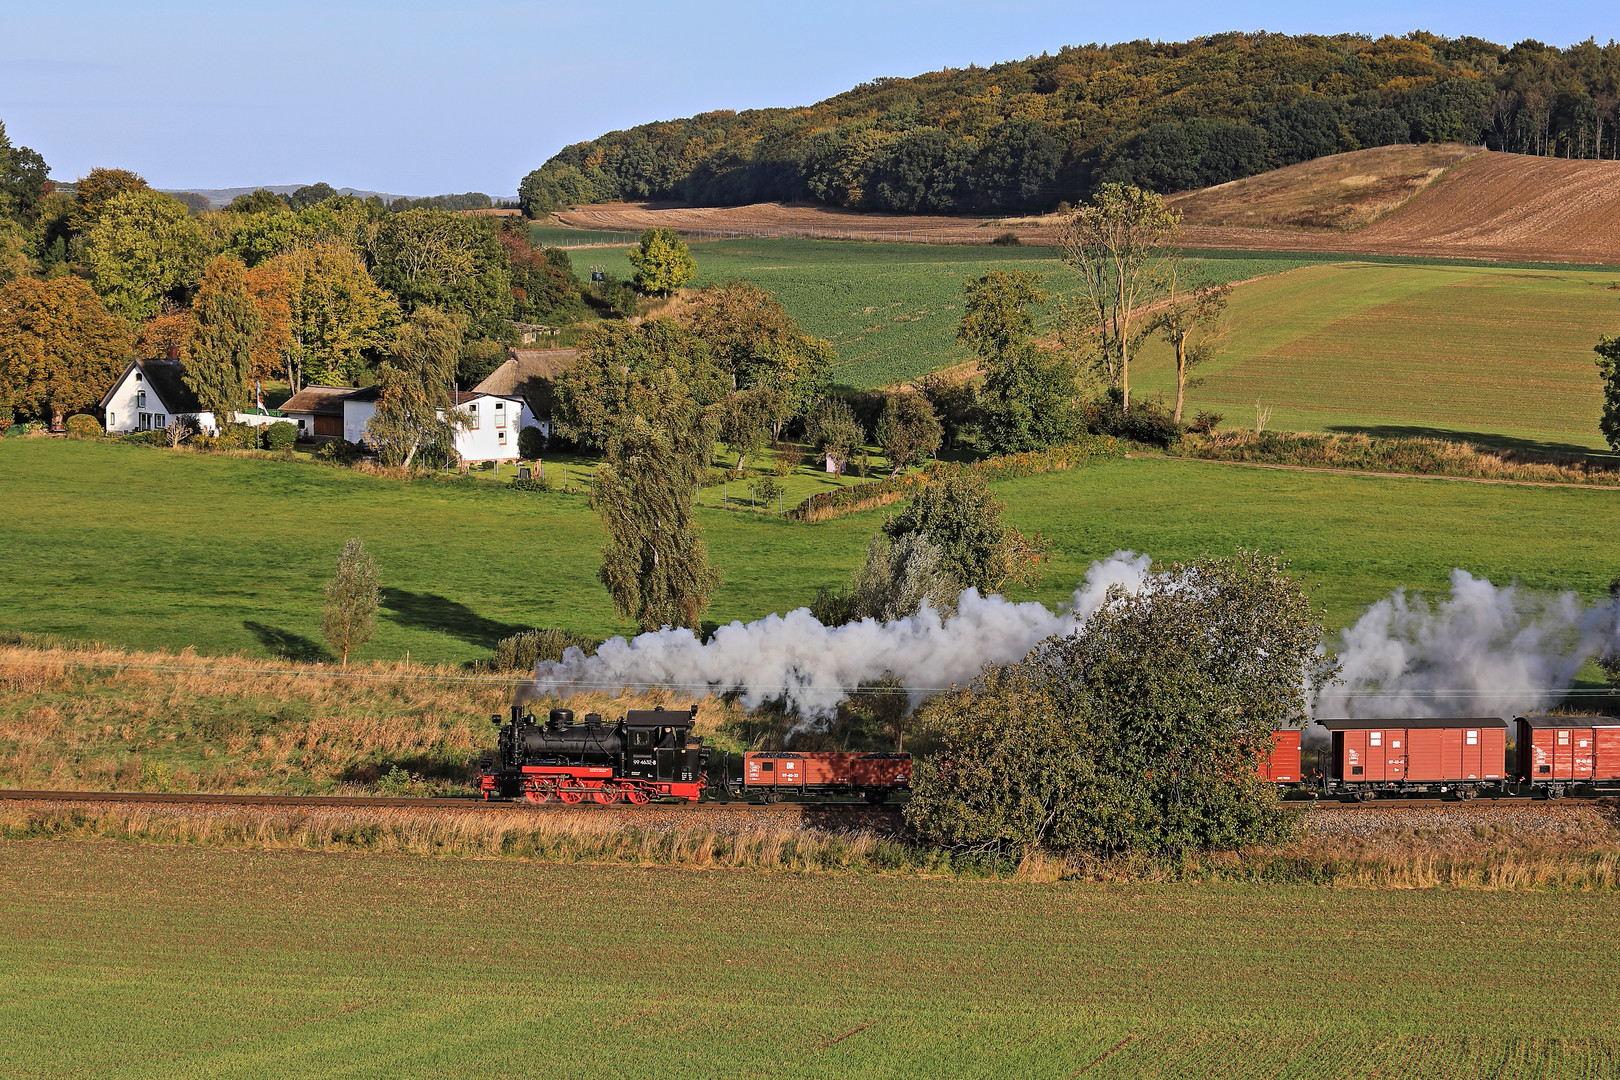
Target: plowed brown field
[[1467, 204]]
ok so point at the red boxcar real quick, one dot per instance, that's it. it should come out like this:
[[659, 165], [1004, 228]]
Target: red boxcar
[[1282, 765], [872, 776], [1460, 754], [1557, 752]]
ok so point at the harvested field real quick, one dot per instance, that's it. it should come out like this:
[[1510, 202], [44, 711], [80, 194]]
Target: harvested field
[[1440, 201], [138, 961]]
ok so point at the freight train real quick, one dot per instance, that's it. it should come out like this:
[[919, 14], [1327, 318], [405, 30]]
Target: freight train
[[651, 754], [1466, 756]]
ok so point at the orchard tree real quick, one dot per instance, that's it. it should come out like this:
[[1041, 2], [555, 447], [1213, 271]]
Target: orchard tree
[[143, 249], [416, 407], [60, 349], [908, 430], [1141, 733], [956, 512], [663, 263], [349, 617], [225, 327], [1115, 244], [836, 432]]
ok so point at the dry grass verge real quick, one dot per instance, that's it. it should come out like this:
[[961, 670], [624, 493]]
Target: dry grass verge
[[1419, 456]]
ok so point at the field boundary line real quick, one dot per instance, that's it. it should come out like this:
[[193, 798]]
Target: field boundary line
[[845, 1035], [1104, 1057], [1378, 475]]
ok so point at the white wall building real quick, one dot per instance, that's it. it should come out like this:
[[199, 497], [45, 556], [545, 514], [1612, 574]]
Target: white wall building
[[494, 421], [149, 395]]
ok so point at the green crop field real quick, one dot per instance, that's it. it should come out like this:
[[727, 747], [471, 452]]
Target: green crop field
[[891, 309], [1498, 355], [143, 547], [126, 961]]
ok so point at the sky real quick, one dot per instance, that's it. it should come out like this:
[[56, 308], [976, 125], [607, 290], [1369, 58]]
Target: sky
[[417, 98]]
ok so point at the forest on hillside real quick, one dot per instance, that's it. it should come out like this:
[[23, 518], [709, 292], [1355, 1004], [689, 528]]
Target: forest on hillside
[[1030, 134]]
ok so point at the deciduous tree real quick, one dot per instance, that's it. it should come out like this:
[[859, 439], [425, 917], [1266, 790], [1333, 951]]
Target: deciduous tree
[[1114, 244], [1139, 734], [619, 376], [1608, 363], [225, 326], [836, 432], [94, 190], [416, 407], [60, 349], [350, 615], [655, 564], [338, 314], [143, 249], [908, 430], [663, 262], [956, 512], [1189, 318]]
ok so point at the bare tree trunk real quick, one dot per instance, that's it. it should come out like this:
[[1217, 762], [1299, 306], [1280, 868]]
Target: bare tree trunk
[[1181, 374]]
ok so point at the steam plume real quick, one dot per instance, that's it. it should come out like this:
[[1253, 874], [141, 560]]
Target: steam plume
[[814, 667], [1483, 651]]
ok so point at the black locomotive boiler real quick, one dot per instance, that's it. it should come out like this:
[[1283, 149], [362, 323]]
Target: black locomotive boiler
[[647, 754]]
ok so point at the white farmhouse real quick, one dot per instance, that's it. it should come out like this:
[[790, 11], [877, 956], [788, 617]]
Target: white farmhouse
[[493, 422], [149, 396]]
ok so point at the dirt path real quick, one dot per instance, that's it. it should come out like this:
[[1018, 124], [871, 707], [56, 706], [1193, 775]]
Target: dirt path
[[1380, 475]]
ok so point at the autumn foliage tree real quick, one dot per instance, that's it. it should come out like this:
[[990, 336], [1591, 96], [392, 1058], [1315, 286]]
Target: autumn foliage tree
[[144, 248], [60, 348], [337, 314], [663, 262]]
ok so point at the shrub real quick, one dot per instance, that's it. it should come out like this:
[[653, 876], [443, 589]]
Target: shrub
[[8, 414], [338, 452], [1148, 421], [531, 442], [1205, 422], [532, 483], [1007, 239], [84, 426], [767, 490], [280, 436], [788, 458], [237, 437], [146, 438], [523, 650]]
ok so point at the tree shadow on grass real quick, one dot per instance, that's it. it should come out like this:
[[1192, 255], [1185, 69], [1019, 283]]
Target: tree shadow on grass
[[287, 644], [1527, 448], [427, 611]]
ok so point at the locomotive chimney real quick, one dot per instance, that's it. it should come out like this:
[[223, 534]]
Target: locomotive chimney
[[517, 715]]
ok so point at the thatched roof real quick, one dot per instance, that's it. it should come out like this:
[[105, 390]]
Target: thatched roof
[[528, 374]]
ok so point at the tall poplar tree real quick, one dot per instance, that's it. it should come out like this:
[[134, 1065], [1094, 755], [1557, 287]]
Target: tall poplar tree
[[225, 328]]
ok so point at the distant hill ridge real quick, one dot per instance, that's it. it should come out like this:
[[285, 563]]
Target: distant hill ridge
[[1029, 134]]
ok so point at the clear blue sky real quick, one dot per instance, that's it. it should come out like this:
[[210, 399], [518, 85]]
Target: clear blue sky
[[423, 98]]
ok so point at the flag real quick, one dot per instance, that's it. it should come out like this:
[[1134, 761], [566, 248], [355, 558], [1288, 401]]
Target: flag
[[258, 394]]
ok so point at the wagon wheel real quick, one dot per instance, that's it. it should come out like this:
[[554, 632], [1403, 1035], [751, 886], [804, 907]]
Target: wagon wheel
[[608, 794], [570, 797], [636, 795]]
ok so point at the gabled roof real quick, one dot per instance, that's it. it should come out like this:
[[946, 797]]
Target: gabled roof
[[458, 397], [528, 374], [319, 400], [166, 379]]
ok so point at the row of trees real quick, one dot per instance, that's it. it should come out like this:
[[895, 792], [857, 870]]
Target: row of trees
[[1159, 115], [311, 287]]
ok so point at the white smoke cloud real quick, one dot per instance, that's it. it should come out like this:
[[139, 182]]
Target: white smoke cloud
[[1483, 651], [814, 667]]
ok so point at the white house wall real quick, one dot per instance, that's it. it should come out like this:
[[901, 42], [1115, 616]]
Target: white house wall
[[483, 443], [124, 407]]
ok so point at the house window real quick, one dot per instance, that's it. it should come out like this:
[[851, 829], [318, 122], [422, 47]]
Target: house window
[[160, 421], [112, 419], [472, 410], [500, 417], [500, 437], [140, 399], [143, 421]]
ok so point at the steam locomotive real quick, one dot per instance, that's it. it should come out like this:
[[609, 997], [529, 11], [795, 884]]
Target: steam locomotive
[[651, 753]]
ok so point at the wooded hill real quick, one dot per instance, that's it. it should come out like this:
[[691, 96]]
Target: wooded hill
[[1031, 133]]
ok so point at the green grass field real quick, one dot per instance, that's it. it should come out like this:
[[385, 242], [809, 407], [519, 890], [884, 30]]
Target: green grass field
[[126, 961], [891, 309], [1494, 355], [142, 547]]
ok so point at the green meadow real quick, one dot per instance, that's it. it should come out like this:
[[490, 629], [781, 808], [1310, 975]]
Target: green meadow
[[147, 548], [130, 961]]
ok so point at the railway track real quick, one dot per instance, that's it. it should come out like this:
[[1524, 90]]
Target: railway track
[[382, 802]]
